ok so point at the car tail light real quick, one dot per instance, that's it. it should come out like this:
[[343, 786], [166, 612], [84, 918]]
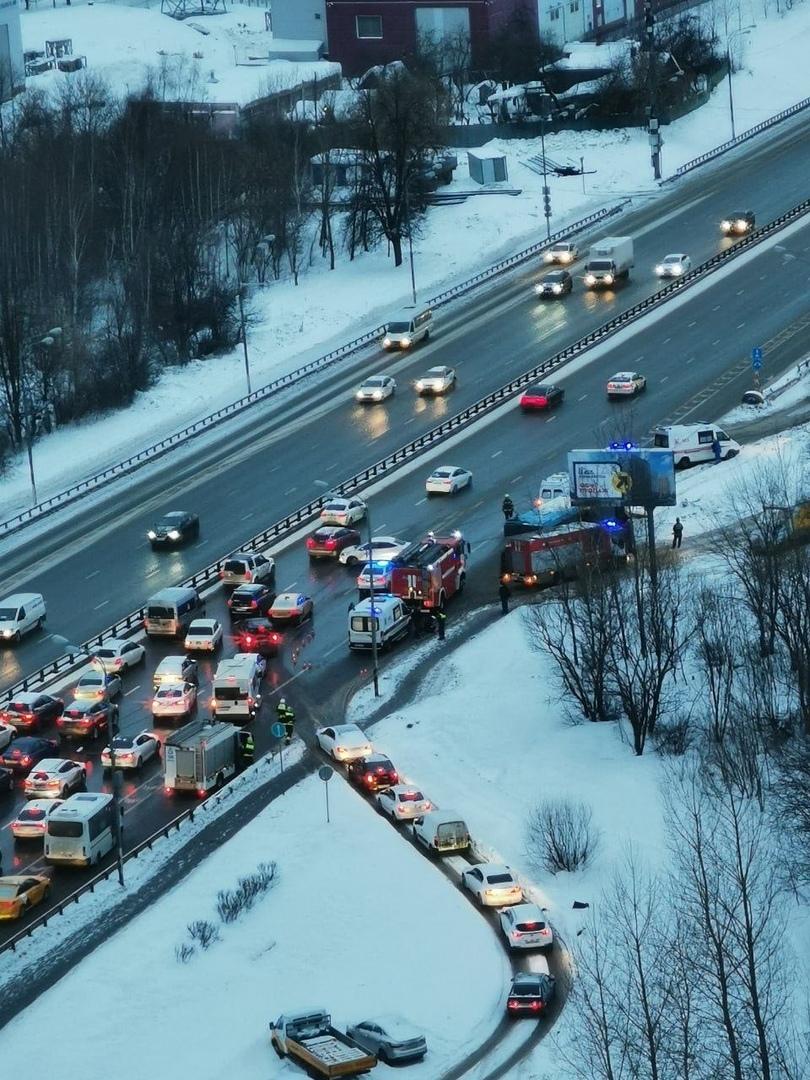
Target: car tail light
[[542, 401], [253, 603], [394, 778], [248, 640], [248, 575], [545, 931], [26, 760], [369, 777], [536, 1006], [85, 720], [330, 544], [230, 602], [168, 791], [513, 1004], [201, 793], [119, 661], [222, 573], [250, 702], [311, 542]]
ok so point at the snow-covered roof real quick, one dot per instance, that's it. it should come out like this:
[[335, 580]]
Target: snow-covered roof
[[487, 153]]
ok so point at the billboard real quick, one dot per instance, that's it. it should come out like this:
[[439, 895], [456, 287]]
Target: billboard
[[622, 476]]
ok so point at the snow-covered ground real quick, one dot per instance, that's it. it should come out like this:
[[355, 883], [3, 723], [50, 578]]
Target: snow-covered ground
[[296, 324], [359, 923]]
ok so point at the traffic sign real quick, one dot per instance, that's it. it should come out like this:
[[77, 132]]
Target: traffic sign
[[277, 730], [325, 773], [756, 358]]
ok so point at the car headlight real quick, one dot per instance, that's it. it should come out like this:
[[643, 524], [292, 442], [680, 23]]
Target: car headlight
[[608, 279], [590, 279], [568, 257], [538, 289], [152, 534], [725, 225], [420, 385], [359, 395], [742, 225], [405, 342], [377, 395], [660, 269], [174, 534], [556, 288], [8, 633], [677, 270], [386, 341]]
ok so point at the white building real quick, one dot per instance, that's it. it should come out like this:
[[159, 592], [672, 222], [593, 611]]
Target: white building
[[564, 20], [12, 68]]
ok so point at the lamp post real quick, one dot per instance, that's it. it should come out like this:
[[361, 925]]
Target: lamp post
[[112, 731], [545, 100], [242, 287], [410, 241], [374, 650], [734, 34], [47, 341]]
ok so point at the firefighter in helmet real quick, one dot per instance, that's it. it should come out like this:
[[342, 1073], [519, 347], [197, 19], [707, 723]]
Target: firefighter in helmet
[[508, 507]]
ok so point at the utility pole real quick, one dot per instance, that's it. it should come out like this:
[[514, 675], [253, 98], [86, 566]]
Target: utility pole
[[244, 332], [545, 101], [372, 616], [410, 242], [648, 45]]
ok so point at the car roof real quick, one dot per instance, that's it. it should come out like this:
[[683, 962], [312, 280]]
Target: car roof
[[90, 676], [51, 763], [393, 1025], [527, 911], [28, 740], [25, 697], [494, 868], [556, 274], [400, 789], [446, 468], [202, 622], [115, 643], [623, 375], [330, 530], [83, 704], [169, 662], [39, 804], [439, 368], [377, 755], [18, 879], [346, 729], [675, 255], [20, 598]]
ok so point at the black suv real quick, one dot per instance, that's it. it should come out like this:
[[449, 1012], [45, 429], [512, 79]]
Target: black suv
[[175, 528], [250, 601], [530, 995], [557, 283]]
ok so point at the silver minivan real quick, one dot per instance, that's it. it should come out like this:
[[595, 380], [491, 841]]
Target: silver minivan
[[19, 614], [170, 612], [409, 327]]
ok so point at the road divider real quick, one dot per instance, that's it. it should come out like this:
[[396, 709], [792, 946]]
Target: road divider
[[282, 532]]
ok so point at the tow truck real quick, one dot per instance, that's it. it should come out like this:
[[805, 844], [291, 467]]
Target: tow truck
[[309, 1038]]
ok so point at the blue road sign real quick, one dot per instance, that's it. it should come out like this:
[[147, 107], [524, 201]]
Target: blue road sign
[[277, 730], [756, 358]]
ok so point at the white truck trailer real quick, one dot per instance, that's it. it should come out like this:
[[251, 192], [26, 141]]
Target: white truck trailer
[[609, 261], [200, 756], [309, 1038]]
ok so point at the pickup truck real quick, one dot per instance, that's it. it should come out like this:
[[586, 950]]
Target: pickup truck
[[310, 1039]]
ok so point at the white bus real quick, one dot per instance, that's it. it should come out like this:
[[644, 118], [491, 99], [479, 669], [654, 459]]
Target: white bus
[[82, 830]]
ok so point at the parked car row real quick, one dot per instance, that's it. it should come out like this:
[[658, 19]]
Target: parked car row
[[522, 923]]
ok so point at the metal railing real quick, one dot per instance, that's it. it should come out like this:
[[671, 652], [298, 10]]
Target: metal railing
[[207, 423], [145, 845], [723, 148], [276, 532]]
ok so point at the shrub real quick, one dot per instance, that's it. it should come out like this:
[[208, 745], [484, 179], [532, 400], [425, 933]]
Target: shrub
[[184, 952], [232, 902], [673, 737], [203, 932], [559, 834]]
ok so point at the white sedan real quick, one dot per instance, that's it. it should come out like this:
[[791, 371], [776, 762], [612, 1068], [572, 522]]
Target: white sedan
[[343, 511], [54, 778], [96, 685], [403, 802], [374, 576], [131, 751], [376, 388], [492, 884], [118, 654], [344, 742], [625, 384], [32, 819], [174, 669], [447, 480], [561, 253], [383, 548], [7, 733], [673, 266], [204, 635], [525, 927], [174, 700], [437, 380]]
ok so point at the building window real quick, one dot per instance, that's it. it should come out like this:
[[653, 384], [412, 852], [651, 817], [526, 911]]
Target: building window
[[369, 26], [574, 6], [554, 14]]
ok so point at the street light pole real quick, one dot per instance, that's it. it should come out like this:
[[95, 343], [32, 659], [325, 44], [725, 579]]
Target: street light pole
[[112, 731], [370, 564], [734, 34], [410, 243], [45, 342], [244, 333]]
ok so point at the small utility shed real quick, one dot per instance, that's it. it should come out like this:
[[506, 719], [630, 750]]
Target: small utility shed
[[487, 165]]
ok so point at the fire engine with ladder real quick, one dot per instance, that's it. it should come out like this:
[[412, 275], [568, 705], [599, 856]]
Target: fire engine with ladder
[[429, 572]]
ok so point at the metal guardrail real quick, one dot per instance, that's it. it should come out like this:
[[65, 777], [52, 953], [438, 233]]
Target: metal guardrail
[[723, 148], [206, 423], [203, 578], [161, 834]]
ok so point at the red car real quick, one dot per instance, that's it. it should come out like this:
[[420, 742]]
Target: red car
[[373, 773], [84, 719], [30, 712], [259, 636], [542, 397], [328, 541]]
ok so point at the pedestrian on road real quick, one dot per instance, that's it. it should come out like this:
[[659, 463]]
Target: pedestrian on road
[[504, 594], [247, 747], [717, 450], [508, 507], [281, 709], [440, 620], [677, 533], [289, 725]]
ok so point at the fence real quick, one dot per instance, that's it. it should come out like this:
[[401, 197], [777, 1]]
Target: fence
[[454, 424], [158, 449]]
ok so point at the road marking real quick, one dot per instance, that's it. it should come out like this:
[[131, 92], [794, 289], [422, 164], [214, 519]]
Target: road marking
[[716, 307], [497, 453], [421, 501], [582, 398], [290, 587], [95, 572], [411, 421], [132, 691], [548, 421], [101, 605], [694, 323], [200, 543], [330, 467], [740, 292], [340, 645], [663, 378], [245, 517], [740, 325], [292, 489], [691, 358], [717, 342], [381, 527], [666, 340], [514, 480], [275, 468]]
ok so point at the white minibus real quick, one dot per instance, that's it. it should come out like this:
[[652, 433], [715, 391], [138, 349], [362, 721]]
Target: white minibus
[[82, 830]]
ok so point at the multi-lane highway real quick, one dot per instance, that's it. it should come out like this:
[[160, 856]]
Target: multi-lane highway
[[696, 352]]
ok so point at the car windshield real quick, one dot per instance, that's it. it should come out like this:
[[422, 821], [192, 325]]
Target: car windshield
[[77, 710], [234, 566], [661, 440], [380, 764], [107, 654], [195, 630], [541, 391], [398, 328], [443, 473], [91, 679], [601, 264], [373, 383], [337, 505], [31, 813], [500, 879], [410, 796], [7, 613], [122, 742], [8, 892], [170, 692], [158, 611], [64, 828], [672, 259], [18, 707], [558, 275], [229, 693], [286, 602]]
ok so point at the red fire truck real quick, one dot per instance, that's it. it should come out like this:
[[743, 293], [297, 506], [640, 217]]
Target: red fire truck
[[547, 558], [428, 573]]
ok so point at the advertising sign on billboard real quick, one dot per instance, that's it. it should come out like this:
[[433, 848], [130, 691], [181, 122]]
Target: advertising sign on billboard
[[622, 476]]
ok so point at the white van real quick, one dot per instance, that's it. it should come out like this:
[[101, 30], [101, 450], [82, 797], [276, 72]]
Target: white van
[[238, 686], [170, 612], [691, 443], [441, 832], [82, 830], [389, 616], [556, 486], [19, 614], [409, 327]]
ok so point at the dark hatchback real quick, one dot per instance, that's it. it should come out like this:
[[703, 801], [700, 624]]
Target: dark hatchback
[[328, 541], [29, 712], [552, 286], [24, 753], [248, 601], [530, 994], [84, 719], [259, 636]]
